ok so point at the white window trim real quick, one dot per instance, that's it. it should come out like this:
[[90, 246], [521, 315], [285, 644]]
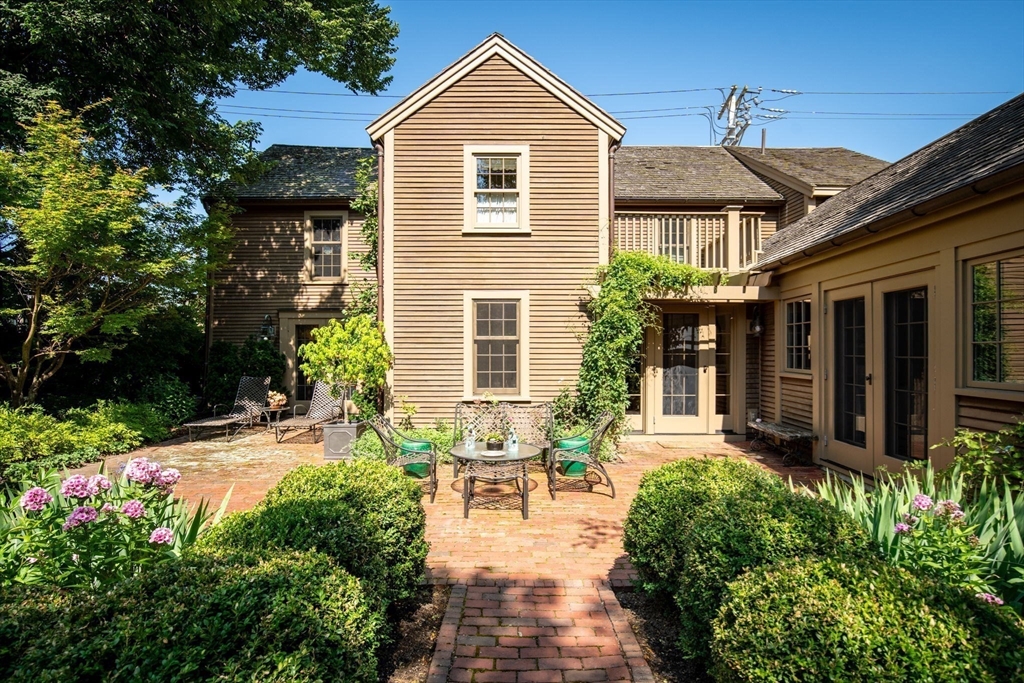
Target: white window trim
[[288, 344], [307, 239], [967, 323], [523, 296], [469, 154], [784, 366]]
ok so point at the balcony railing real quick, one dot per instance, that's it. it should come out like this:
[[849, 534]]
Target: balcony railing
[[699, 239]]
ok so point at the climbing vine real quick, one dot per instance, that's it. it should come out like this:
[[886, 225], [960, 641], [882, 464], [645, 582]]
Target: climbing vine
[[619, 314], [365, 292]]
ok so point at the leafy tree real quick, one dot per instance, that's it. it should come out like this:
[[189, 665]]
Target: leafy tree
[[158, 66], [352, 354], [86, 253]]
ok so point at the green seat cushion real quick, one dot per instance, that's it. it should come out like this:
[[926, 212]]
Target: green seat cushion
[[572, 468], [419, 470]]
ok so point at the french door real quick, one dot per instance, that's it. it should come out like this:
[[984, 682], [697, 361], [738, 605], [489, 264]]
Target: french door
[[685, 392], [878, 374]]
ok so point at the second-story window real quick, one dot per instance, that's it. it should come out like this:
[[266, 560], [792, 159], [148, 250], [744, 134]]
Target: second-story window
[[798, 335], [497, 188], [325, 247]]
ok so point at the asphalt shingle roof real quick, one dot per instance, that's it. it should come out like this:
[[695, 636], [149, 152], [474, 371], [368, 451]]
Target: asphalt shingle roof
[[307, 172], [990, 144], [686, 174], [817, 166]]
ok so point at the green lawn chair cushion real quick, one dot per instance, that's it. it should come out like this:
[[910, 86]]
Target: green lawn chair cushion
[[572, 468], [419, 470]]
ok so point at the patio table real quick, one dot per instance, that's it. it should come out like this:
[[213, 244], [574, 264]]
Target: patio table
[[494, 469]]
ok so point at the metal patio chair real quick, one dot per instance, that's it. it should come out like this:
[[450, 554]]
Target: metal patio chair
[[322, 408], [584, 452], [249, 401], [416, 457], [483, 418], [534, 424]]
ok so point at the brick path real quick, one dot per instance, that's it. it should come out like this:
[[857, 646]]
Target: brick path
[[532, 600]]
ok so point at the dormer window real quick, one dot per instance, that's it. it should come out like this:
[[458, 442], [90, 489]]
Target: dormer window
[[497, 184]]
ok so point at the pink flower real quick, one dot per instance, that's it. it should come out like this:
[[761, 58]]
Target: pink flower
[[81, 515], [922, 502], [108, 508], [989, 598], [133, 509], [32, 560], [99, 483], [77, 486], [902, 528], [142, 471], [36, 498], [162, 535], [167, 479], [909, 519], [950, 507]]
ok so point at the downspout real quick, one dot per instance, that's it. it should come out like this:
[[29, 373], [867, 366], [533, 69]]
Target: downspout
[[611, 197], [379, 146]]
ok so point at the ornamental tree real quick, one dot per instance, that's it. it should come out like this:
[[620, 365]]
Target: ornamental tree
[[86, 252], [349, 355]]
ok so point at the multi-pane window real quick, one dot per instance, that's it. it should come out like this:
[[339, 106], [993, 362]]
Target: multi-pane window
[[326, 248], [997, 321], [681, 347], [798, 335], [496, 347], [303, 386], [723, 363], [497, 190], [850, 372], [906, 374]]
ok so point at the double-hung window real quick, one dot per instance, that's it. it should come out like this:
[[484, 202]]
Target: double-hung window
[[798, 335], [497, 344], [997, 320], [325, 246], [497, 188]]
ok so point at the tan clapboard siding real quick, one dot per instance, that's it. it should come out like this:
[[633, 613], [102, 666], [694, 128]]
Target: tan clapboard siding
[[768, 363], [794, 208], [263, 273], [987, 414], [797, 401], [434, 263], [769, 223]]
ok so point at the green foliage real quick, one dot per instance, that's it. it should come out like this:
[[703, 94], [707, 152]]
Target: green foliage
[[983, 550], [567, 413], [620, 314], [230, 362], [984, 455], [267, 617], [158, 70], [171, 398], [368, 444], [366, 516], [365, 291], [350, 354], [829, 620], [88, 251], [663, 510]]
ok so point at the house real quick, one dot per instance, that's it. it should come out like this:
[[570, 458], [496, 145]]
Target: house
[[503, 188]]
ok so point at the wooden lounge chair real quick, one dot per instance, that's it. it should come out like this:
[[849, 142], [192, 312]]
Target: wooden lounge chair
[[249, 401], [322, 409], [579, 457]]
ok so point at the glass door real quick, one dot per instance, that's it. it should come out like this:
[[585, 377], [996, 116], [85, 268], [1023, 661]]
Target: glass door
[[681, 369], [848, 379]]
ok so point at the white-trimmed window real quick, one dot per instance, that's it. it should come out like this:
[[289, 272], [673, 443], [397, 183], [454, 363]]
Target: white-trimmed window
[[497, 180], [798, 335], [995, 333], [497, 344], [326, 246]]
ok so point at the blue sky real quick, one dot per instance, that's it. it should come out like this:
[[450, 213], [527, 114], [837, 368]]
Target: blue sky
[[613, 47]]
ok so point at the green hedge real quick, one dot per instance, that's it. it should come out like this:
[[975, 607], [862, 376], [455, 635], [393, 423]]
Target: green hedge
[[741, 531], [366, 515], [664, 506], [814, 620], [285, 617]]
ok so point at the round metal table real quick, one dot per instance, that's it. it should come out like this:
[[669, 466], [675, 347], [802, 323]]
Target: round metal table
[[510, 466]]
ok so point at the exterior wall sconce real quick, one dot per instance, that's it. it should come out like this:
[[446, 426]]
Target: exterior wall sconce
[[267, 328], [756, 326]]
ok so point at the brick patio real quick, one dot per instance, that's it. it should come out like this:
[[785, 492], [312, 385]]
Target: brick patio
[[532, 600]]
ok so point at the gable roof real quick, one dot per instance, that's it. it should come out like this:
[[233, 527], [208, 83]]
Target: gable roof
[[686, 174], [977, 157], [307, 172], [495, 44], [814, 166]]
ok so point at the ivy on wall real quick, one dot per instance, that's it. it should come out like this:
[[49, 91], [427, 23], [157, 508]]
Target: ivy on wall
[[620, 312], [365, 293]]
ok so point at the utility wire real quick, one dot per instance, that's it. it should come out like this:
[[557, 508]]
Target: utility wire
[[841, 92], [301, 111]]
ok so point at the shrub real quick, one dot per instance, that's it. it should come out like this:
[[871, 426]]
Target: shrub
[[365, 515], [827, 620], [745, 530], [280, 617], [986, 455], [664, 506], [171, 397], [229, 362]]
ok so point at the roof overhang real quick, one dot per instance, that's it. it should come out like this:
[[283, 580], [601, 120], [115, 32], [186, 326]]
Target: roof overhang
[[773, 173], [495, 45]]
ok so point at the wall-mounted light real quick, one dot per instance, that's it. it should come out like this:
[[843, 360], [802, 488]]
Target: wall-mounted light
[[756, 326], [267, 328]]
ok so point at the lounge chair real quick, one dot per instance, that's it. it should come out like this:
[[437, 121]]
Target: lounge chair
[[577, 457], [416, 457], [249, 402], [322, 408]]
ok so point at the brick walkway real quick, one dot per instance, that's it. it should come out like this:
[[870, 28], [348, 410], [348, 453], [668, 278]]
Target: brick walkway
[[532, 600]]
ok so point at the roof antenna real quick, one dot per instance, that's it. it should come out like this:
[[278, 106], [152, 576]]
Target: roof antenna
[[764, 139]]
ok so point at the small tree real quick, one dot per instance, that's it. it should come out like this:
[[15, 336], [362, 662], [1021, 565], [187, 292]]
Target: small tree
[[348, 355]]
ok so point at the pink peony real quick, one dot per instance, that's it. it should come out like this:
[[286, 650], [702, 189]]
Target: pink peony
[[922, 502], [81, 515], [36, 498], [142, 471], [77, 486], [989, 598], [166, 479], [162, 535], [99, 483], [133, 509]]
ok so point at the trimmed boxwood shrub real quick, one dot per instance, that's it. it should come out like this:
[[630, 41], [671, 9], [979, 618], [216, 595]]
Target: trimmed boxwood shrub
[[283, 617], [664, 506], [828, 620], [366, 515], [745, 530]]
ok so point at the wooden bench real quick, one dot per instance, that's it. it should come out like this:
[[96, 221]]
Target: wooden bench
[[786, 438]]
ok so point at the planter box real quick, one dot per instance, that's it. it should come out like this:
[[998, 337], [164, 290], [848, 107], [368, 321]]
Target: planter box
[[339, 439]]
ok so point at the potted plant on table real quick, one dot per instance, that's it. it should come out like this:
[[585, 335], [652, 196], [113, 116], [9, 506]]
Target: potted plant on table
[[495, 441], [347, 356]]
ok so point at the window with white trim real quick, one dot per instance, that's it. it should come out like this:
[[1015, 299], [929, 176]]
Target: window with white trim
[[497, 188], [996, 333], [496, 346], [798, 335], [325, 246]]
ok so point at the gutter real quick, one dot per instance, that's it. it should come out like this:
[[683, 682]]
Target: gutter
[[379, 146], [929, 206]]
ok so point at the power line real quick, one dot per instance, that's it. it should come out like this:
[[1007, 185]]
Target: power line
[[869, 113], [637, 111], [286, 116], [348, 94], [853, 92], [301, 111]]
